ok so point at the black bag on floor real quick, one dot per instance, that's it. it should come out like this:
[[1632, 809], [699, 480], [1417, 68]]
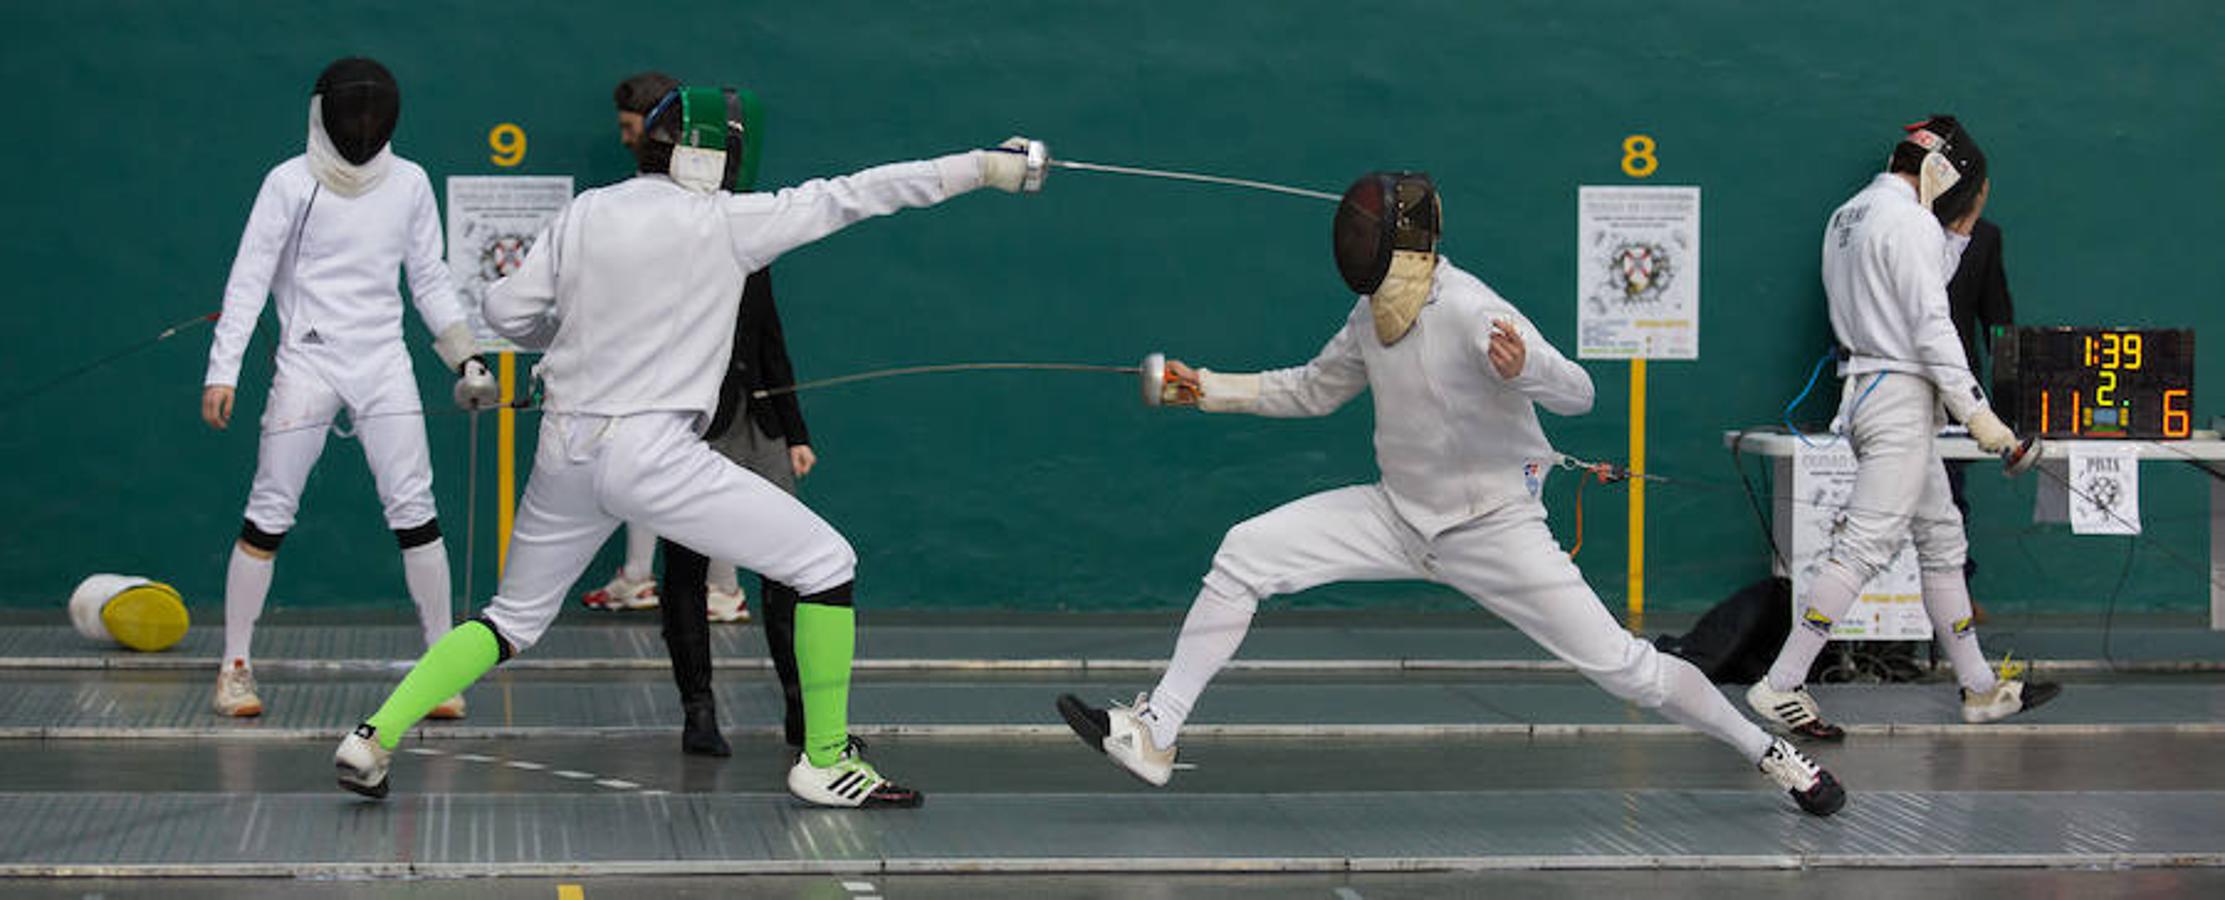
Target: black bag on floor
[[1735, 642]]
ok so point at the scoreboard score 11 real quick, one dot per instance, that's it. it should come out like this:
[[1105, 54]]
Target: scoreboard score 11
[[2063, 382]]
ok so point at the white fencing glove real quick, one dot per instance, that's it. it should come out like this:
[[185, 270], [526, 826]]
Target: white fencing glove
[[1992, 436], [1015, 166], [476, 388]]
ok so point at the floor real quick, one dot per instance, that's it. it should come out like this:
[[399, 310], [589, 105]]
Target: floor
[[1350, 757]]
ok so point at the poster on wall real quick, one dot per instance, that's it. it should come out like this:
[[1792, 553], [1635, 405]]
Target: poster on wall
[[2104, 489], [492, 220], [1637, 272], [1891, 607]]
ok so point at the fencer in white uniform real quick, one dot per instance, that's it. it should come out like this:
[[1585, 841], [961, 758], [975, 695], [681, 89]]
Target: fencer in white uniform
[[1885, 271], [1457, 374], [327, 235], [630, 291]]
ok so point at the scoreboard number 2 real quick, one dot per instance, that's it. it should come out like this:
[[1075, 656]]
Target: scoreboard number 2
[[507, 141]]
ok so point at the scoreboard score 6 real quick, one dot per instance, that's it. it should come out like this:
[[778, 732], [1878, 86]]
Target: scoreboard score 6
[[2062, 382]]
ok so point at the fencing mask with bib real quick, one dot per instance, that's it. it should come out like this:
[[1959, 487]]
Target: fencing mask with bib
[[714, 136], [1952, 168], [1385, 238], [352, 114]]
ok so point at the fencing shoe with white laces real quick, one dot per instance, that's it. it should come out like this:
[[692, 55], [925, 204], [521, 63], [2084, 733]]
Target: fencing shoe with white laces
[[1810, 785], [1121, 733], [851, 782], [362, 762], [1795, 711]]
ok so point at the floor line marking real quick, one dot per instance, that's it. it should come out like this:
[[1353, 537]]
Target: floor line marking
[[1345, 893], [526, 765], [858, 887], [474, 757], [575, 776], [616, 784]]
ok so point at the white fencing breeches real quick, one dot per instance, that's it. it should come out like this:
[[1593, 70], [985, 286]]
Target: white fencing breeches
[[1900, 487], [1507, 562], [389, 421], [592, 472]]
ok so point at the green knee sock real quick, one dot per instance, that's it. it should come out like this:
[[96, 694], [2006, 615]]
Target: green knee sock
[[826, 636], [451, 665]]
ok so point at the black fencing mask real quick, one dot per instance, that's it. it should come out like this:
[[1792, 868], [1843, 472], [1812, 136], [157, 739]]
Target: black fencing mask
[[1385, 238], [361, 105]]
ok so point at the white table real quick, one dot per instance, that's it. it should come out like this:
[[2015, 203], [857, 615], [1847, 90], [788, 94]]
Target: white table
[[2205, 446]]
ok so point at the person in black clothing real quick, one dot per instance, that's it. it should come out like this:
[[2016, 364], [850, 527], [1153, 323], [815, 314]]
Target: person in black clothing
[[765, 436], [1978, 301]]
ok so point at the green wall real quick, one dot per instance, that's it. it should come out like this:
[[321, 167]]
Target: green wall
[[138, 134]]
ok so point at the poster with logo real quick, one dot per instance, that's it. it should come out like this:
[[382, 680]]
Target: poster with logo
[[1891, 607], [1638, 273], [2104, 491], [492, 220]]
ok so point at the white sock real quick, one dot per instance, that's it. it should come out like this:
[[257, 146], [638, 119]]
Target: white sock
[[1831, 594], [1210, 636], [723, 578], [641, 553], [246, 583], [425, 569], [1694, 703], [1947, 599]]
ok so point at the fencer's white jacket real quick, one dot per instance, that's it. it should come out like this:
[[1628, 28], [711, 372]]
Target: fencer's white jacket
[[632, 288], [1884, 275], [339, 309], [1453, 439]]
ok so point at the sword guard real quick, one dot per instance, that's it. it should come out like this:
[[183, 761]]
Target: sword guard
[[2023, 457]]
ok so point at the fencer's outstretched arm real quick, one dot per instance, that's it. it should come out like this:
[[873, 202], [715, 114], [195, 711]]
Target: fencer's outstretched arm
[[765, 225], [1546, 377], [1335, 376], [261, 244]]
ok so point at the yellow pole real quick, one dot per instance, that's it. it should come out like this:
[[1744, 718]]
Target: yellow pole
[[506, 470], [1637, 494]]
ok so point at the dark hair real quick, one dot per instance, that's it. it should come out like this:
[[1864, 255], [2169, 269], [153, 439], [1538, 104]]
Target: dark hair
[[639, 93]]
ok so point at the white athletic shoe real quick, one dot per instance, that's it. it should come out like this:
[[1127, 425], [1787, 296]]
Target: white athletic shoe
[[451, 708], [362, 762], [1795, 711], [623, 593], [1121, 733], [2008, 697], [235, 691], [1814, 789], [850, 783], [727, 607]]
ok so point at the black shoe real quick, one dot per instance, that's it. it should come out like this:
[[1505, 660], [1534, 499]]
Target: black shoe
[[1810, 785], [700, 736]]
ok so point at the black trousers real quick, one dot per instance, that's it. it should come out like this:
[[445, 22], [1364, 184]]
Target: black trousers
[[687, 633]]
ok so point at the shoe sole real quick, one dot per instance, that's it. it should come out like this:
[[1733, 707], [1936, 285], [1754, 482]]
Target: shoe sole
[[243, 712], [445, 715], [374, 791], [1077, 716], [2037, 696]]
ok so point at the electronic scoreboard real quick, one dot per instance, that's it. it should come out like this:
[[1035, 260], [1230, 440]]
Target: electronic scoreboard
[[2062, 382]]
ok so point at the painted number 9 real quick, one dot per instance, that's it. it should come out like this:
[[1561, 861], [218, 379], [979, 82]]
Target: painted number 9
[[1637, 156], [508, 142]]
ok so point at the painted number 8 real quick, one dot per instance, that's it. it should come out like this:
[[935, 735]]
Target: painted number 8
[[508, 143], [1637, 156]]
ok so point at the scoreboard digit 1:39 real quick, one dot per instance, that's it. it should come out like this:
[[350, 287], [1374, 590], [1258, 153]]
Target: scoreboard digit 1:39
[[2064, 382]]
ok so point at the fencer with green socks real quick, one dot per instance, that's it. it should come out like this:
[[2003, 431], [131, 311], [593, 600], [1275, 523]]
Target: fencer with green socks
[[630, 292]]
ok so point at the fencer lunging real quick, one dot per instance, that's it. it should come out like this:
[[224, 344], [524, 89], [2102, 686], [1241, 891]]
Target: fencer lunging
[[1885, 277], [631, 289], [1456, 373], [329, 230]]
